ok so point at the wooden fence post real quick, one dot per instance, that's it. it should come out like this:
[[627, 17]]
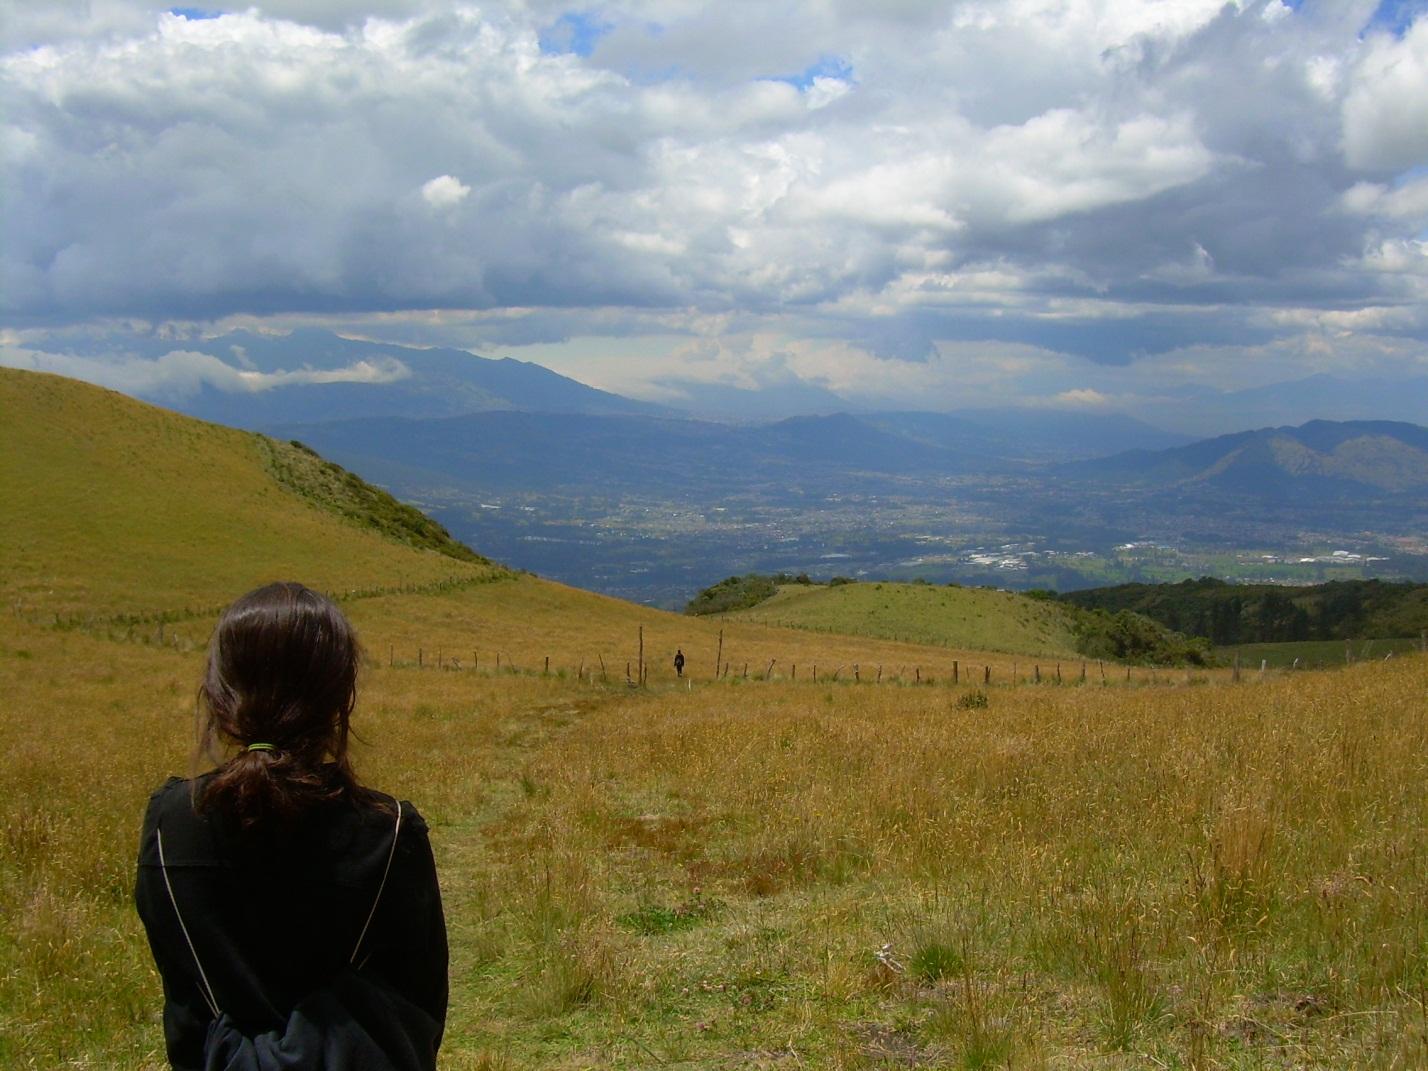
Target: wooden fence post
[[642, 654], [392, 655], [768, 673], [720, 656], [547, 665], [880, 673], [419, 662], [956, 672], [856, 675], [986, 674], [1036, 674]]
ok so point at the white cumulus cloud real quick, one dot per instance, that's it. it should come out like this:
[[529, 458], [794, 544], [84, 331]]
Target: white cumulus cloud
[[444, 191]]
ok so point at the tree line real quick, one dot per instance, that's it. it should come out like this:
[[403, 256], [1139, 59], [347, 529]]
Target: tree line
[[1226, 613]]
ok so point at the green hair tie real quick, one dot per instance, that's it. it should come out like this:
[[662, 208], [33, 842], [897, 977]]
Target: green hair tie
[[261, 747]]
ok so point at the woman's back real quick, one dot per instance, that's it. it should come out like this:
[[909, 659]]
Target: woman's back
[[257, 881]]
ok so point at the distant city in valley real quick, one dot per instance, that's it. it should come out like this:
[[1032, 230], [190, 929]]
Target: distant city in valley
[[661, 552]]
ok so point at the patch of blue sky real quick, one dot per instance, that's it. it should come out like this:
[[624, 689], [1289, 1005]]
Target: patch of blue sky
[[1396, 16], [194, 14], [574, 33], [825, 67]]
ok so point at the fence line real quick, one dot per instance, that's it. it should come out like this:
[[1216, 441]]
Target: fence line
[[954, 674]]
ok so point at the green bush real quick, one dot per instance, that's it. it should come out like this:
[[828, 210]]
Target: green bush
[[734, 593]]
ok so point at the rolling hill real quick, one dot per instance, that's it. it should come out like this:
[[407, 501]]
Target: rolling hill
[[1032, 625], [967, 618]]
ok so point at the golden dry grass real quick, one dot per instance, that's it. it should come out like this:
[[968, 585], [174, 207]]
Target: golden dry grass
[[795, 875]]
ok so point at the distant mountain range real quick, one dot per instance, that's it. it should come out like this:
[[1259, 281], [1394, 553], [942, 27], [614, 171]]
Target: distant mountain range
[[1318, 464], [312, 375], [1027, 434], [1319, 461], [1325, 396], [639, 455]]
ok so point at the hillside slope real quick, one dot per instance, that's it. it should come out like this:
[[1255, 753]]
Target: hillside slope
[[117, 507]]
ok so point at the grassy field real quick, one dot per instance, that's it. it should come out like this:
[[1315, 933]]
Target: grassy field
[[967, 618], [760, 872], [786, 874]]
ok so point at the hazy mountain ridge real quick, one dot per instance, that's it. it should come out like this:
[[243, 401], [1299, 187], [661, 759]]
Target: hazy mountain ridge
[[1324, 458], [509, 450], [386, 380], [1007, 434]]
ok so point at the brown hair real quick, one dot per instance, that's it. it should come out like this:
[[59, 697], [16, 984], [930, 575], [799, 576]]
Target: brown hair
[[282, 670]]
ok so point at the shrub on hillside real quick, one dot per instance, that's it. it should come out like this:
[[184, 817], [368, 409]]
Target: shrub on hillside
[[734, 593], [1130, 637]]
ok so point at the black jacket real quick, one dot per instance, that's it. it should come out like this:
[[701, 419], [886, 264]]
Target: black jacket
[[274, 913]]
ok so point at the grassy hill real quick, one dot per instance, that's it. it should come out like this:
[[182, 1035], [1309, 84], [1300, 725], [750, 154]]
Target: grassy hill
[[115, 507], [1177, 872], [1033, 625], [966, 618]]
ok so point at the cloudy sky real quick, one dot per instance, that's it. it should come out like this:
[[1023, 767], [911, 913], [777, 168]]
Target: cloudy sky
[[1063, 202]]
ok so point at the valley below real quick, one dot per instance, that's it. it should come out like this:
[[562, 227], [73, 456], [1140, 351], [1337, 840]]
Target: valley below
[[1019, 532]]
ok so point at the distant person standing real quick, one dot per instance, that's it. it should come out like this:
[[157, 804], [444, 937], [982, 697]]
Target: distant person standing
[[678, 663]]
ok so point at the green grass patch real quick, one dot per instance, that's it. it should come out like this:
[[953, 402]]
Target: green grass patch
[[957, 617]]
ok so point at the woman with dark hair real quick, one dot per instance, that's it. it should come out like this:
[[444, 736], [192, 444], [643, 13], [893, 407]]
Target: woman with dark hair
[[289, 908]]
